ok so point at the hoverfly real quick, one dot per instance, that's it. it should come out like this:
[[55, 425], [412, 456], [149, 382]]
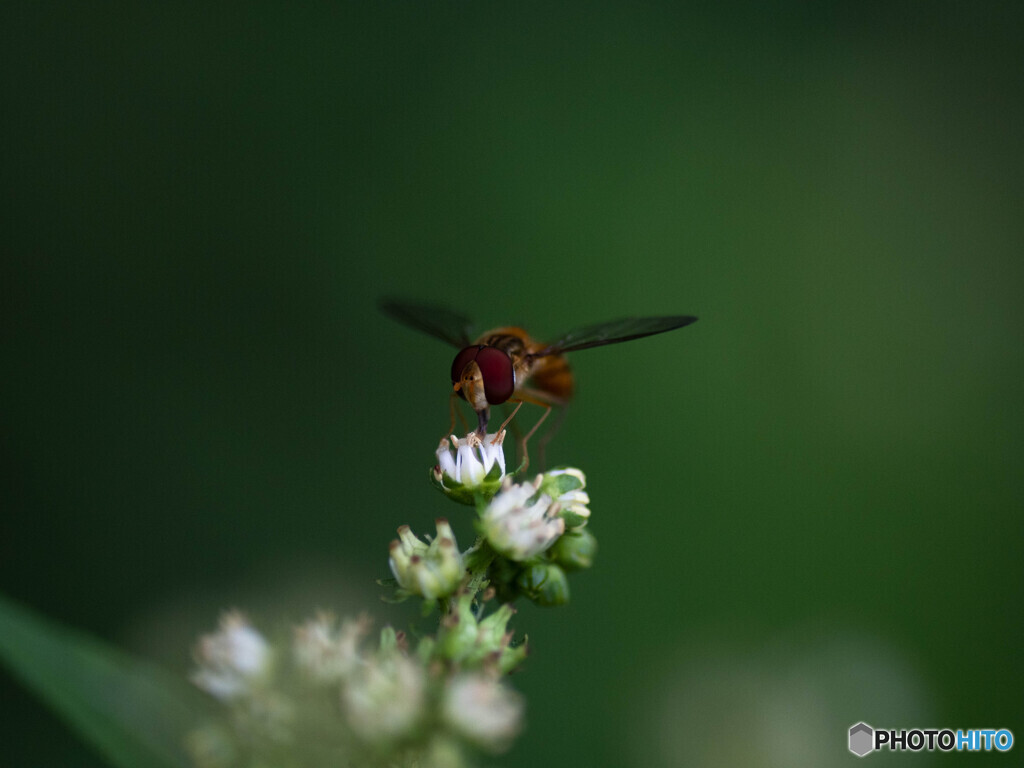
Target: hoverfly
[[507, 365]]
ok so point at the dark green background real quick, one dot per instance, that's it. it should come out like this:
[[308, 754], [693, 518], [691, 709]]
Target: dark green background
[[201, 406]]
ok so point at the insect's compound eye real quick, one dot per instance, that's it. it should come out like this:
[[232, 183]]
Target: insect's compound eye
[[464, 358], [499, 374]]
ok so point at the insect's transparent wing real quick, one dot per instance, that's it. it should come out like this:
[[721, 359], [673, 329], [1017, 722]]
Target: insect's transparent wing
[[615, 331], [441, 323]]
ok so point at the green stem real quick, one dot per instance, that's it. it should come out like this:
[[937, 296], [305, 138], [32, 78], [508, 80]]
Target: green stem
[[478, 559]]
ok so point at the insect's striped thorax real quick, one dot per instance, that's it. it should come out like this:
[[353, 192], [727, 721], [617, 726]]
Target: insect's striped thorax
[[549, 374]]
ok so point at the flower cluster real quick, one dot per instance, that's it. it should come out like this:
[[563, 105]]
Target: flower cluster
[[329, 699], [521, 521], [338, 702], [466, 640], [531, 533]]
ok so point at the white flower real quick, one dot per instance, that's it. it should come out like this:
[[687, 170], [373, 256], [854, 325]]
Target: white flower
[[232, 660], [384, 699], [520, 521], [470, 466], [433, 570], [474, 458], [482, 710], [325, 652]]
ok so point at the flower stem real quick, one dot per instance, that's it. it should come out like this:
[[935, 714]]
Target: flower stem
[[478, 559]]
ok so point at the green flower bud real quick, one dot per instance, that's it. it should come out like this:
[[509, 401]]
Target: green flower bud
[[512, 657], [575, 550], [544, 584], [476, 468], [565, 487], [456, 637], [389, 642], [501, 575], [433, 570], [471, 643], [493, 631]]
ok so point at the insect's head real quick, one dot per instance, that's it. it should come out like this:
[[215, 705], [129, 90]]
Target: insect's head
[[483, 376]]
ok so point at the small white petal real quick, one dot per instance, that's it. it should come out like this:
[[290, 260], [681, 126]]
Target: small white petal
[[483, 710], [571, 472], [469, 469], [575, 497], [445, 460]]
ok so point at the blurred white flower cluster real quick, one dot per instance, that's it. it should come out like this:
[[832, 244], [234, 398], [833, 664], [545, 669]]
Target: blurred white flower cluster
[[327, 700]]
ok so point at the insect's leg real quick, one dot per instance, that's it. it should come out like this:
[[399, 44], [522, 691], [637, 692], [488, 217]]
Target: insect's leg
[[513, 425], [453, 407], [545, 401], [506, 421], [542, 444], [526, 452], [462, 416]]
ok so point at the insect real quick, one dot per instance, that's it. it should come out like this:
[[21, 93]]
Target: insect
[[507, 365]]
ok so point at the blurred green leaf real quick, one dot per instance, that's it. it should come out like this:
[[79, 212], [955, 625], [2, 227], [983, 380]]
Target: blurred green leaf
[[135, 713]]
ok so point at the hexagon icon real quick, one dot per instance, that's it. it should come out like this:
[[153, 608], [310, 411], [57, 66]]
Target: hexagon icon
[[862, 737]]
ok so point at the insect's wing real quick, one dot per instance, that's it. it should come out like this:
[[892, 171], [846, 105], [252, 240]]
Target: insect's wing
[[441, 323], [614, 332]]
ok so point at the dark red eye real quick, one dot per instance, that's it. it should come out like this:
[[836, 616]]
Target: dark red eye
[[499, 375], [464, 358]]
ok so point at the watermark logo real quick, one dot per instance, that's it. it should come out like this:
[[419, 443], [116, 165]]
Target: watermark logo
[[863, 739]]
